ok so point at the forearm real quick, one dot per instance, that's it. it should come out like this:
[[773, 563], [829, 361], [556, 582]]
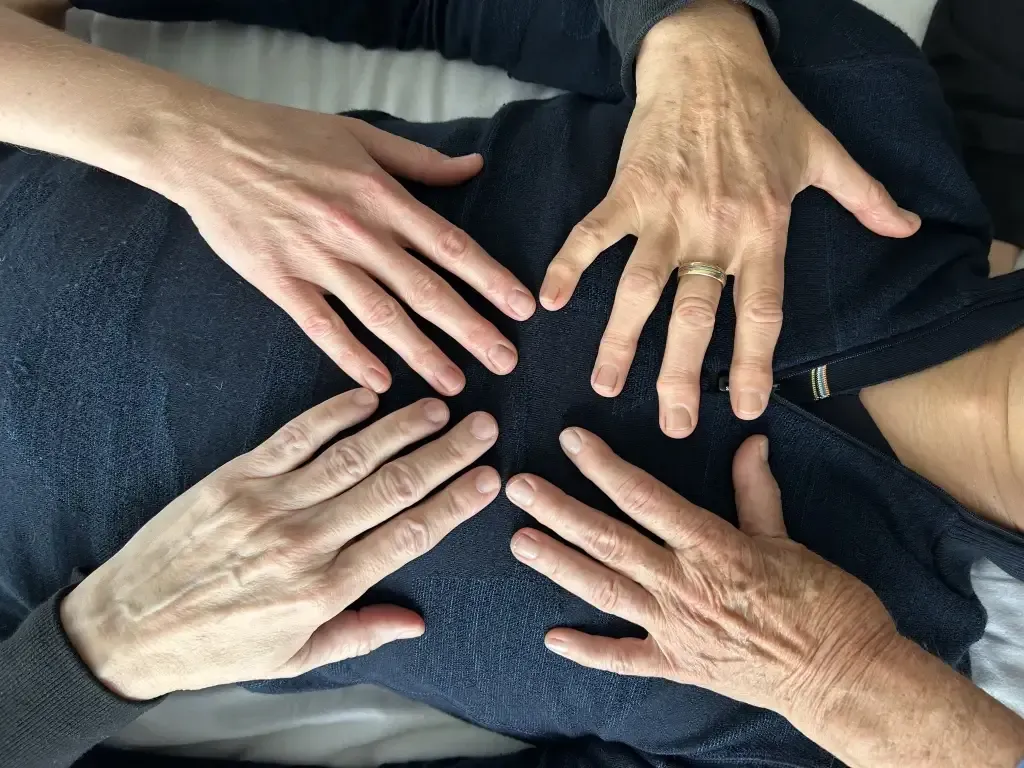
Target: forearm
[[65, 97], [905, 708]]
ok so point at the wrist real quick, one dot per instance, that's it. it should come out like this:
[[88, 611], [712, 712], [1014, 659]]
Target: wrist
[[107, 652], [703, 29]]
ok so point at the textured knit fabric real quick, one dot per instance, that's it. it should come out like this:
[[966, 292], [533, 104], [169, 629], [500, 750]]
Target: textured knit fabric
[[494, 33], [62, 690], [977, 47], [134, 362]]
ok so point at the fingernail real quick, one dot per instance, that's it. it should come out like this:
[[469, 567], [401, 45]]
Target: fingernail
[[525, 546], [487, 482], [549, 297], [751, 404], [764, 449], [556, 644], [377, 381], [483, 427], [502, 357], [678, 419], [606, 378], [365, 397], [912, 218], [449, 378], [570, 440], [410, 633], [520, 491], [521, 303], [435, 411]]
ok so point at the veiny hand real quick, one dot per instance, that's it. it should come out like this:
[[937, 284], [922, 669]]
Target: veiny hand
[[302, 204], [250, 573], [715, 152], [747, 613]]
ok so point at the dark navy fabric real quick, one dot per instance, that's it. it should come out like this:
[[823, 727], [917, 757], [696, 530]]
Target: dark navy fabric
[[133, 362]]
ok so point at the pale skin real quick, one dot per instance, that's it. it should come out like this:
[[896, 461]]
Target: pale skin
[[280, 517]]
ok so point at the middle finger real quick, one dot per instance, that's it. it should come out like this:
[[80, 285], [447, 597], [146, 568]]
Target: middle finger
[[350, 460], [642, 283], [689, 333], [404, 481], [429, 296], [604, 538]]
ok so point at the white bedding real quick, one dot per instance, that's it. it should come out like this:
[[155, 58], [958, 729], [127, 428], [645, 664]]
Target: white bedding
[[366, 726]]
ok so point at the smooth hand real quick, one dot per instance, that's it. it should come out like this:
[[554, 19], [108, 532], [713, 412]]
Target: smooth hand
[[303, 205], [715, 152], [250, 574], [747, 613]]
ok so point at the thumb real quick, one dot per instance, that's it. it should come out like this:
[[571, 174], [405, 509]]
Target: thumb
[[355, 633], [758, 500], [832, 169], [405, 158]]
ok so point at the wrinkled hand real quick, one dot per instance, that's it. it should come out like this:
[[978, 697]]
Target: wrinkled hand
[[747, 613], [715, 152], [250, 573], [302, 204]]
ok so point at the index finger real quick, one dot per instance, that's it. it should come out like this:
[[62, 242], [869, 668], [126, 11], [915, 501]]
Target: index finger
[[449, 247], [652, 504], [758, 299]]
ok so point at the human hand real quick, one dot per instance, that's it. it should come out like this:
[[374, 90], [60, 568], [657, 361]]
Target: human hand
[[250, 573], [303, 204], [715, 152], [747, 613]]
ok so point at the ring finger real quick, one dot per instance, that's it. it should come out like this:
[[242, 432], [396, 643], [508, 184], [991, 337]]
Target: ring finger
[[350, 460], [430, 297], [404, 481], [384, 317], [689, 333], [590, 581]]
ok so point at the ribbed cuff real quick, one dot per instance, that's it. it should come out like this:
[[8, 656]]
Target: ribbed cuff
[[52, 709], [629, 21]]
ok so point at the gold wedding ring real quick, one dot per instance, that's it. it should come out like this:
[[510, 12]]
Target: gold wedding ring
[[704, 270]]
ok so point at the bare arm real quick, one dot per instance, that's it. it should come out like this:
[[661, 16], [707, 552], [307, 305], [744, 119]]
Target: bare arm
[[260, 181]]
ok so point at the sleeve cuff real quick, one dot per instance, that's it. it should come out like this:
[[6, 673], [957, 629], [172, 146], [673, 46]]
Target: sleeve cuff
[[52, 709], [629, 21]]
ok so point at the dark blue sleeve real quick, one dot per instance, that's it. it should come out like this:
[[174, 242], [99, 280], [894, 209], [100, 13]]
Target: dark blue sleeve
[[978, 538], [576, 45]]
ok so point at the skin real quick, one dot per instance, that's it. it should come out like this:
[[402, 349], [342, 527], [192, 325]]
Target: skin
[[709, 167], [300, 204], [250, 573], [728, 609]]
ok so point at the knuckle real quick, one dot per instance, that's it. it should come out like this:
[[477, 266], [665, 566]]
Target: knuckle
[[605, 544], [697, 312], [411, 538], [723, 210], [617, 343], [452, 246], [347, 462], [293, 440], [427, 292], [589, 231], [763, 306], [606, 594], [639, 492], [875, 195], [374, 186], [383, 312], [642, 280], [317, 325], [399, 484]]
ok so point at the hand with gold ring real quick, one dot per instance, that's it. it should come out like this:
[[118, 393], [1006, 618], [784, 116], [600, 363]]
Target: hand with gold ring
[[715, 152]]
